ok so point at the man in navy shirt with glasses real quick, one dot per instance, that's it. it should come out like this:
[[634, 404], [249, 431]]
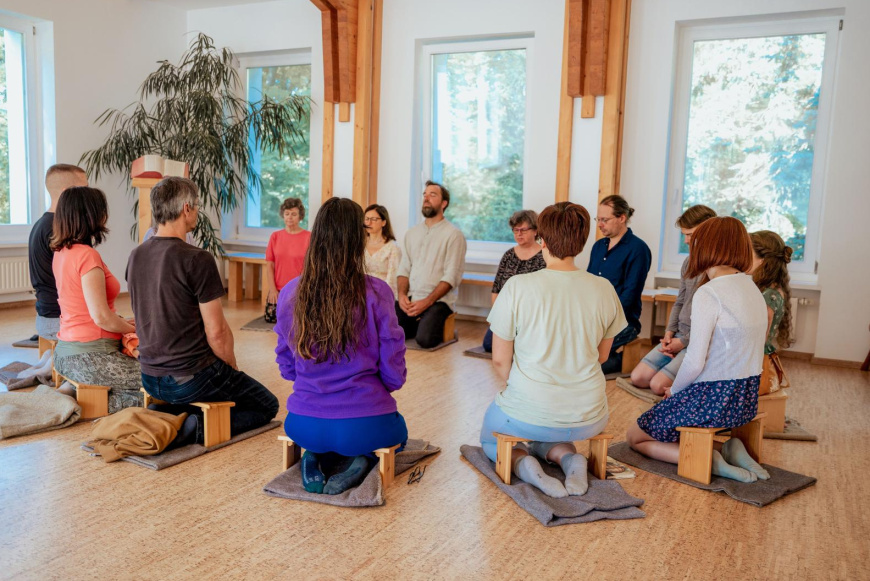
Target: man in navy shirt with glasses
[[624, 260]]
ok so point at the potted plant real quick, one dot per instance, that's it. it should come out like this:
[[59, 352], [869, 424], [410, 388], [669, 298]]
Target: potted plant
[[195, 112]]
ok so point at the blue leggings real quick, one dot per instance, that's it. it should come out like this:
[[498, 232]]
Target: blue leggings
[[349, 436], [496, 420]]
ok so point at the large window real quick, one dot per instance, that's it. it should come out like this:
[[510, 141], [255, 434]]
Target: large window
[[282, 176], [15, 198], [750, 129], [474, 140]]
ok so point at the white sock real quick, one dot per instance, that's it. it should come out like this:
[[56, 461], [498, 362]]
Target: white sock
[[528, 469]]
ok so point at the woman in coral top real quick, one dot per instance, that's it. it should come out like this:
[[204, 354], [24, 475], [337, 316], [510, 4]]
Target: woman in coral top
[[89, 340], [285, 253]]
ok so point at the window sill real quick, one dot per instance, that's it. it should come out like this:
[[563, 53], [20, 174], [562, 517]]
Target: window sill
[[798, 281], [12, 245]]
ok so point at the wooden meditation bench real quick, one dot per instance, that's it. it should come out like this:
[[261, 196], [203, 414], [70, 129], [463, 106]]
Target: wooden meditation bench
[[505, 447], [292, 453], [696, 447], [254, 266], [93, 399], [216, 414]]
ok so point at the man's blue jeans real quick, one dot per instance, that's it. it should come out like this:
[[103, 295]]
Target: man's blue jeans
[[614, 361], [255, 405]]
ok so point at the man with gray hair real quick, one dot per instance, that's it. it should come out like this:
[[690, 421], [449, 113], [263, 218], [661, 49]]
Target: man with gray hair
[[185, 344]]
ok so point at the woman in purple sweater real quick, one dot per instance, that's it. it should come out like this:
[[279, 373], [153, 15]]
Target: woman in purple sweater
[[340, 343]]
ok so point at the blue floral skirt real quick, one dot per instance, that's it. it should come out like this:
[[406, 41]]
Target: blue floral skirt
[[727, 403]]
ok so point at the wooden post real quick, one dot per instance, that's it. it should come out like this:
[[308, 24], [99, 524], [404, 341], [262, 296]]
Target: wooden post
[[375, 117], [614, 99], [144, 186], [566, 122], [363, 105]]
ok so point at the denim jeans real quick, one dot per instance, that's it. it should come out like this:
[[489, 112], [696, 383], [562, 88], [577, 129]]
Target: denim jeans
[[614, 361], [495, 420], [255, 405]]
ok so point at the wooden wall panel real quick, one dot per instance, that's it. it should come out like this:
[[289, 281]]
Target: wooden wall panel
[[329, 23], [576, 31], [598, 26]]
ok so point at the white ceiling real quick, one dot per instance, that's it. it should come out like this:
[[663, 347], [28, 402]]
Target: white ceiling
[[197, 4]]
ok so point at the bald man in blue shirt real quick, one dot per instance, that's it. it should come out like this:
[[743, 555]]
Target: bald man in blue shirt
[[624, 260]]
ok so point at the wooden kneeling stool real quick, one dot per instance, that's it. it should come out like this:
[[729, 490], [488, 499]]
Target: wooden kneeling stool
[[449, 328], [505, 447], [386, 458], [632, 354], [696, 447], [773, 404], [46, 345], [93, 399], [216, 414]]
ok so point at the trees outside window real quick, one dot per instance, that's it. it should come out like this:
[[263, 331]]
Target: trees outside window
[[751, 128], [476, 133]]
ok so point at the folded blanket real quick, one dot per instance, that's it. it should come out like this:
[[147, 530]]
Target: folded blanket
[[134, 431], [17, 374], [37, 411]]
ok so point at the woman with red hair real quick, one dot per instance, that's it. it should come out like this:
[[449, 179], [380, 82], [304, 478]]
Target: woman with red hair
[[717, 384]]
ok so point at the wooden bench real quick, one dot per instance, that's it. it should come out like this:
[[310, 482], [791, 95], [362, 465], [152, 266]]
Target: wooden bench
[[696, 447], [291, 453], [216, 414], [449, 328], [773, 404], [46, 345], [93, 399], [478, 279], [245, 270], [632, 354], [505, 446]]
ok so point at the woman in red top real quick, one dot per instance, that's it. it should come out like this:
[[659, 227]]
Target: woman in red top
[[89, 340], [285, 253]]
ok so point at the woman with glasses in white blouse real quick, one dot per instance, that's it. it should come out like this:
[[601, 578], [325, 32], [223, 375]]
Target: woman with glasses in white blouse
[[382, 254]]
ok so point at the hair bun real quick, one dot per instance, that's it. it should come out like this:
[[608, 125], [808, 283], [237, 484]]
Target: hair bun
[[786, 254]]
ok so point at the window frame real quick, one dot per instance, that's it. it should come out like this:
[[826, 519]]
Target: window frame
[[478, 251], [671, 259], [235, 229], [33, 131]]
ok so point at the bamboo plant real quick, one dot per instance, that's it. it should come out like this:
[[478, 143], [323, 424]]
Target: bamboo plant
[[196, 112]]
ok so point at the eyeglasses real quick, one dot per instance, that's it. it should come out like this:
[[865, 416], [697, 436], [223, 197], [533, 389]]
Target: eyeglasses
[[522, 230], [604, 220], [416, 475], [375, 219]]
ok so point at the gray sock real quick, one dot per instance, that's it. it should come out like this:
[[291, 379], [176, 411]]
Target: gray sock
[[735, 453], [576, 479], [529, 470], [723, 468]]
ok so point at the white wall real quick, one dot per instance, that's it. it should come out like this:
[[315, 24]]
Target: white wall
[[282, 26], [844, 272], [102, 52]]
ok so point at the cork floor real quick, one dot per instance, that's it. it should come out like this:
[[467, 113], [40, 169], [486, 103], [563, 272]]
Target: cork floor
[[67, 515]]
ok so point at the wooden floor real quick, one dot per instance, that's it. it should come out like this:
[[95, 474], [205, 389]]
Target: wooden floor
[[65, 514]]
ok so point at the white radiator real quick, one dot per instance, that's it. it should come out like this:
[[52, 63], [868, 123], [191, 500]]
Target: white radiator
[[14, 275], [794, 302]]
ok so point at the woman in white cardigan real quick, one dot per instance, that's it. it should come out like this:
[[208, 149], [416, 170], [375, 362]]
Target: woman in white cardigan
[[717, 384]]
